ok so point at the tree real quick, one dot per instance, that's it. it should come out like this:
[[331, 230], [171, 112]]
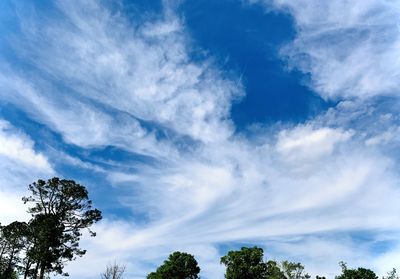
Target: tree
[[392, 275], [274, 271], [62, 209], [114, 271], [12, 241], [178, 266], [3, 252], [359, 273], [245, 263], [294, 270]]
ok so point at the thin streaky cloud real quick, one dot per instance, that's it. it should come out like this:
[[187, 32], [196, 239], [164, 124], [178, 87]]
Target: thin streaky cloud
[[102, 82]]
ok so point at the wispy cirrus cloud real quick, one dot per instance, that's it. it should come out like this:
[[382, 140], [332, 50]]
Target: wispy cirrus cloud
[[350, 49], [253, 197], [144, 71], [19, 163], [18, 147], [99, 80]]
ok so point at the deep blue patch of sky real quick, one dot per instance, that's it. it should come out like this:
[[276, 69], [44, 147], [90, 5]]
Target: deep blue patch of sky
[[142, 10], [246, 39]]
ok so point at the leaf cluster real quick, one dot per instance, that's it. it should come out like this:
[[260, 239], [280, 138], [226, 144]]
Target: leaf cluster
[[359, 273], [178, 266], [249, 263]]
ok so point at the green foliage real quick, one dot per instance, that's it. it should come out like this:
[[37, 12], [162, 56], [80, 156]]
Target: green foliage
[[248, 263], [61, 209], [274, 271], [245, 263], [12, 242], [294, 270], [359, 273], [48, 249], [12, 275], [178, 266]]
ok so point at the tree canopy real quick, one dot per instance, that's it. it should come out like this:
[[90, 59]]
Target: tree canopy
[[294, 270], [359, 273], [274, 271], [179, 265], [245, 263], [249, 263], [60, 210]]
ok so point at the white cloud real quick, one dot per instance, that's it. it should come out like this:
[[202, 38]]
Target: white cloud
[[11, 207], [125, 84], [145, 72], [387, 261], [383, 138], [306, 143], [18, 147], [350, 48], [20, 165], [253, 197]]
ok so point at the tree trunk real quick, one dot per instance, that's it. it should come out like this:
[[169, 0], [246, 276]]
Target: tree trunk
[[2, 252], [27, 267], [9, 269], [41, 275], [36, 271]]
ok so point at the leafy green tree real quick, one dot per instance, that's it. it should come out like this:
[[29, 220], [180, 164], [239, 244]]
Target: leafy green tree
[[294, 270], [178, 266], [359, 273], [61, 210], [245, 263], [274, 271]]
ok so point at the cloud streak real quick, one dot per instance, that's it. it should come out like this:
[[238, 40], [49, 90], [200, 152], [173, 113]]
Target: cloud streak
[[19, 163], [350, 49], [99, 80]]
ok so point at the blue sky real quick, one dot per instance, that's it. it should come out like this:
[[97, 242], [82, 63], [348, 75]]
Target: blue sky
[[202, 126]]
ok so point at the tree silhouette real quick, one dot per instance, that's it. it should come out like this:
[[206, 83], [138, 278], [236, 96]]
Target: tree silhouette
[[114, 271], [178, 266], [245, 263], [61, 210], [359, 273]]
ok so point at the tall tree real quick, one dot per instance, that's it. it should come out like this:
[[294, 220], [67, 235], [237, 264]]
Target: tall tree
[[178, 266], [3, 250], [245, 263], [61, 210], [359, 273], [12, 241]]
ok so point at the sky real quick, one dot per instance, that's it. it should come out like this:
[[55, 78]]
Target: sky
[[204, 126]]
